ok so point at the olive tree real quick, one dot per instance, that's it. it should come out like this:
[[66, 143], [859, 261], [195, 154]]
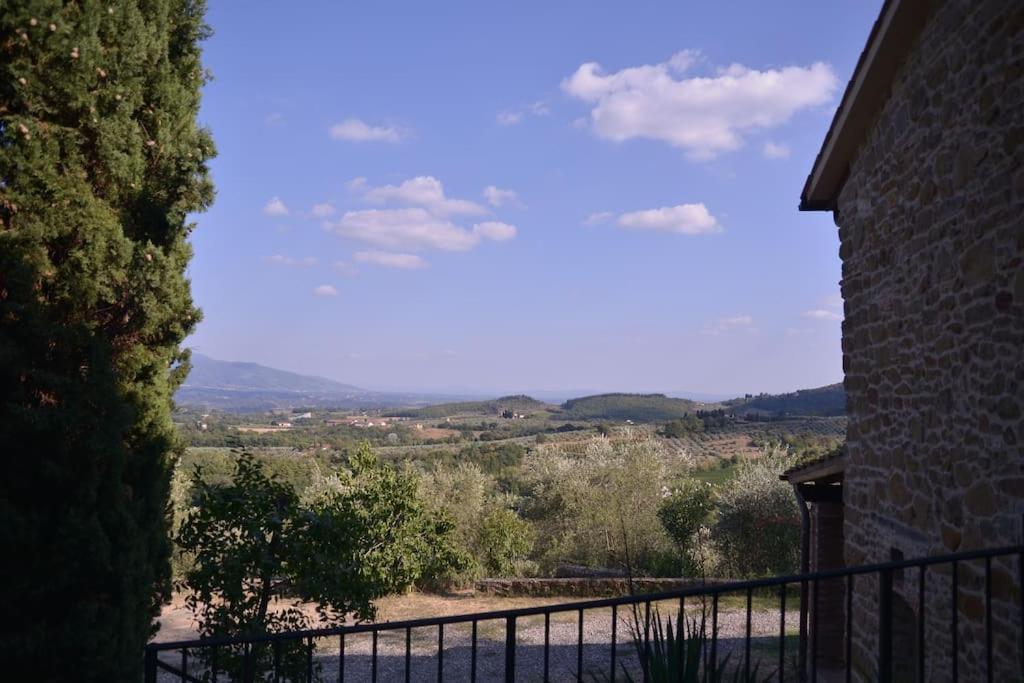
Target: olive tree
[[757, 526]]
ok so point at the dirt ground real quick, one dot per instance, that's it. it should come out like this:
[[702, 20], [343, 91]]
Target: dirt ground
[[570, 642], [176, 621]]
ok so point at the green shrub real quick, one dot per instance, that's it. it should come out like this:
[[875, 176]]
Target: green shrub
[[757, 526], [504, 541], [487, 530], [595, 504], [349, 539], [686, 508]]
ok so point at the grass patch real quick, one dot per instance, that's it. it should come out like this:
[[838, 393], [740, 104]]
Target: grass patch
[[715, 475]]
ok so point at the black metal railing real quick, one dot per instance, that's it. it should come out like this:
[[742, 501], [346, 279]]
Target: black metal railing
[[938, 640]]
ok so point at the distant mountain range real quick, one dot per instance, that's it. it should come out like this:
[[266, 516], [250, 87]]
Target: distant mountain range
[[250, 387]]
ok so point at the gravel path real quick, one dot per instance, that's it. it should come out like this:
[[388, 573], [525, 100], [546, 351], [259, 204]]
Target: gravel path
[[563, 652]]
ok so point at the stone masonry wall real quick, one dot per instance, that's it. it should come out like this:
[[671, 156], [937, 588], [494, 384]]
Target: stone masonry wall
[[931, 225], [586, 587]]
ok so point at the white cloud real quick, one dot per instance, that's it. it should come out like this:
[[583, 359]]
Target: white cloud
[[772, 150], [325, 290], [282, 260], [274, 119], [422, 191], [323, 210], [702, 115], [743, 323], [685, 219], [356, 130], [415, 228], [275, 207], [425, 222], [511, 117], [822, 314], [497, 196], [493, 230], [390, 259], [597, 218]]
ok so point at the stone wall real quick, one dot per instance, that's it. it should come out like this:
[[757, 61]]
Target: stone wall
[[585, 587], [931, 225]]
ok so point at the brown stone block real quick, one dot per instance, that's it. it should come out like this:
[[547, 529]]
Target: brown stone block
[[1004, 586], [951, 538], [898, 491], [1012, 486], [980, 499], [977, 265], [972, 606]]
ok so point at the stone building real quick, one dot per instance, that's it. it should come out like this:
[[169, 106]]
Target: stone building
[[923, 169]]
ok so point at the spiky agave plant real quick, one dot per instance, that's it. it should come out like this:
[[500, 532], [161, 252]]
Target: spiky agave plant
[[679, 652]]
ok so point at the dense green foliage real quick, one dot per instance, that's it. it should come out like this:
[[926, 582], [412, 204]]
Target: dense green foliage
[[682, 513], [604, 503], [349, 539], [684, 426], [757, 527], [488, 531], [637, 407], [505, 540], [596, 506], [827, 401], [101, 161]]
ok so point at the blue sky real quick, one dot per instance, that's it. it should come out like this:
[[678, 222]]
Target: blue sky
[[527, 196]]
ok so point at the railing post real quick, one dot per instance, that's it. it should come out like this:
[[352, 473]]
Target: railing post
[[150, 664], [885, 626], [510, 650]]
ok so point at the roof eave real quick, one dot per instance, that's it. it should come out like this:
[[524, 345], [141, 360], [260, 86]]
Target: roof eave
[[897, 26]]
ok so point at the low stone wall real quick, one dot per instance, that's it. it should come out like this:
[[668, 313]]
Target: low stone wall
[[584, 587]]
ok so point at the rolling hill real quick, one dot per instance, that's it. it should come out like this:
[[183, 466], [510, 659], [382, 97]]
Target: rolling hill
[[827, 401], [638, 407], [517, 404]]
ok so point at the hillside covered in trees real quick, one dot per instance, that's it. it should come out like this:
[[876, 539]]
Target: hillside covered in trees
[[827, 401], [639, 407], [516, 404]]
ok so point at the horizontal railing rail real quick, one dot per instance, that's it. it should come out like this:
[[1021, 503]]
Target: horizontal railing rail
[[205, 650]]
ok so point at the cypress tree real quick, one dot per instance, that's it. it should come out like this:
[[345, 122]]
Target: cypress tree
[[101, 162]]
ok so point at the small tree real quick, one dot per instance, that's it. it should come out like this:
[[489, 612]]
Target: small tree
[[505, 539], [682, 512], [757, 529], [350, 539]]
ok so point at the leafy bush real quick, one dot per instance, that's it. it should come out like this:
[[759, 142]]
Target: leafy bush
[[351, 538], [682, 513], [687, 424], [595, 504], [491, 534], [757, 527], [504, 541]]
